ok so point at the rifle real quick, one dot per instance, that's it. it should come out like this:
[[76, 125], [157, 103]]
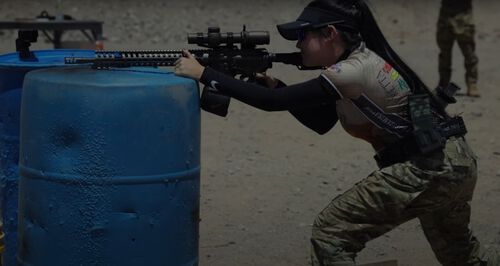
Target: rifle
[[222, 54]]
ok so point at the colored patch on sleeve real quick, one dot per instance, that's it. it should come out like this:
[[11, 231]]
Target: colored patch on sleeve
[[403, 85], [387, 68], [336, 68], [394, 76]]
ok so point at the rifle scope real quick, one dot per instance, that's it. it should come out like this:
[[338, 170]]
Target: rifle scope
[[214, 38]]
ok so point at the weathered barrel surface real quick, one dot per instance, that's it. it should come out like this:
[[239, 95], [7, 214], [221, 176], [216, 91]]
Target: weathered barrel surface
[[109, 164]]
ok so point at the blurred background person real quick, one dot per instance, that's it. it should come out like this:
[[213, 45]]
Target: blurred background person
[[456, 23]]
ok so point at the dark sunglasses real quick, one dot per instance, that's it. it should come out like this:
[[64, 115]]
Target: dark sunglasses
[[301, 33]]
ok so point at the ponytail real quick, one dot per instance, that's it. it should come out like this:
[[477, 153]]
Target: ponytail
[[375, 41], [362, 23], [357, 22]]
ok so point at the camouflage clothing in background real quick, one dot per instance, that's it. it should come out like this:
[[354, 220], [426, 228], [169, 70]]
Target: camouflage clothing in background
[[454, 7], [436, 189], [456, 24]]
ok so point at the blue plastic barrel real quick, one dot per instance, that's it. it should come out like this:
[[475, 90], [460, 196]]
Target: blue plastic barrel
[[109, 168], [12, 72]]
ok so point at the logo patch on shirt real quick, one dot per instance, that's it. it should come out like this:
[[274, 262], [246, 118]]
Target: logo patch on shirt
[[336, 68], [213, 84]]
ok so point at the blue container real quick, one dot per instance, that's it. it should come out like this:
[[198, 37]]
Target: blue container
[[109, 168], [12, 72]]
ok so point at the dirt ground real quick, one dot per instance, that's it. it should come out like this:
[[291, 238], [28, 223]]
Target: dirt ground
[[264, 176]]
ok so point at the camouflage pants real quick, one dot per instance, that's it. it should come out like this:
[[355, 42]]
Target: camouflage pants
[[460, 28], [436, 189]]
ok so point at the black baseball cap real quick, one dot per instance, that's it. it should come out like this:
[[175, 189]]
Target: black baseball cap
[[315, 18]]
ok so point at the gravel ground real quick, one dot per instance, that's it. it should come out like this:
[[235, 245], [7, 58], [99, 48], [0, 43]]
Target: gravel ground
[[264, 176]]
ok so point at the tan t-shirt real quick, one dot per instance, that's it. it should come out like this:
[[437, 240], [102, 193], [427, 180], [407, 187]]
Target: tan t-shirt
[[373, 104]]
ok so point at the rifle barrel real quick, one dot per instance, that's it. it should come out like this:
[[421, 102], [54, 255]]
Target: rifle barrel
[[107, 59]]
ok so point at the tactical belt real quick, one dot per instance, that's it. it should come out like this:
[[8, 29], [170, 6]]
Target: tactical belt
[[408, 147]]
